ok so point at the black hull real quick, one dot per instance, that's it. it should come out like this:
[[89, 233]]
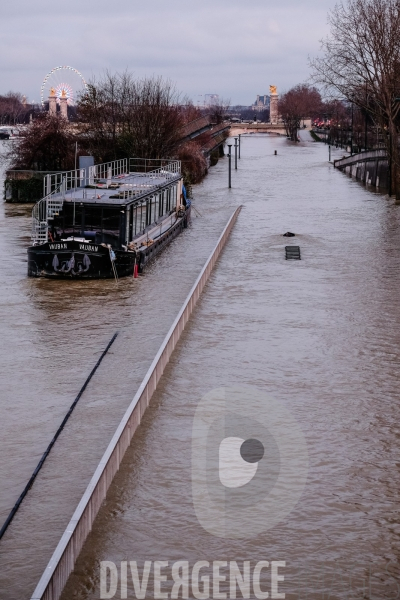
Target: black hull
[[77, 260], [81, 260]]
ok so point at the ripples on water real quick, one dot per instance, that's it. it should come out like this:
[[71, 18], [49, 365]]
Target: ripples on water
[[320, 335]]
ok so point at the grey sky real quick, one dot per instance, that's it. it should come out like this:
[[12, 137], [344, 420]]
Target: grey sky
[[229, 47]]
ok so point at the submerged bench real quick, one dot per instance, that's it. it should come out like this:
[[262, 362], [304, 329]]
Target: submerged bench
[[292, 252]]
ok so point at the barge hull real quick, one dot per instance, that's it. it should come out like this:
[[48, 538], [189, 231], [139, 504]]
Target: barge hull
[[77, 260], [72, 259]]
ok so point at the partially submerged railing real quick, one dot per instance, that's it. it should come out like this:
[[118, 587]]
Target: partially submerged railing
[[367, 155]]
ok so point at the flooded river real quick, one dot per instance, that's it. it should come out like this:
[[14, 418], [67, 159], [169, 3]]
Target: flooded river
[[319, 335]]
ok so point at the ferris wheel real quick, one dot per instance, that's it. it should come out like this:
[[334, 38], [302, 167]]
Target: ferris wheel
[[64, 82]]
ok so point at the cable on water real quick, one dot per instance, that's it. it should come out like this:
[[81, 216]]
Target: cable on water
[[53, 441], [197, 211]]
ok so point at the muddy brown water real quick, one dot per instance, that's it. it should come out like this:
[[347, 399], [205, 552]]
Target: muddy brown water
[[321, 335]]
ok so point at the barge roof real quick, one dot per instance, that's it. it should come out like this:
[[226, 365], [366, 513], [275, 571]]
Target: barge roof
[[121, 190]]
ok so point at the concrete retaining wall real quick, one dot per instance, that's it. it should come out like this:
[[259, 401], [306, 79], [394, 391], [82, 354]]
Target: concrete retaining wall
[[63, 560], [370, 167]]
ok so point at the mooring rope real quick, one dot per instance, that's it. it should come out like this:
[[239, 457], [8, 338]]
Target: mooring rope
[[53, 441]]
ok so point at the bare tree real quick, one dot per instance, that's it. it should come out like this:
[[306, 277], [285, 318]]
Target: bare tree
[[13, 108], [299, 103], [218, 110], [121, 116], [47, 144], [337, 113], [361, 62], [190, 112]]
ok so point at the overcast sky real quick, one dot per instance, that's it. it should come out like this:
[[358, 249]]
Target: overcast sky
[[229, 47]]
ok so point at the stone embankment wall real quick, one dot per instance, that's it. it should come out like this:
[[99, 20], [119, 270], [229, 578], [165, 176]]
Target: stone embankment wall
[[370, 167]]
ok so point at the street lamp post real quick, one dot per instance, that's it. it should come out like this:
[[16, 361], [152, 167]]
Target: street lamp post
[[239, 144], [352, 122], [236, 152], [230, 165], [366, 121]]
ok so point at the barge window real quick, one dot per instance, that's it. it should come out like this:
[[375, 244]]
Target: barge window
[[111, 218], [159, 209], [140, 217], [93, 218], [161, 204], [136, 216]]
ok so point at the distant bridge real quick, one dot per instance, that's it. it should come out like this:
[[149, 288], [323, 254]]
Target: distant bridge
[[241, 128], [201, 125]]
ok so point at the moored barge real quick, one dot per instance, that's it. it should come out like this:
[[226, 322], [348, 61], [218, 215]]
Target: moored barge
[[107, 220]]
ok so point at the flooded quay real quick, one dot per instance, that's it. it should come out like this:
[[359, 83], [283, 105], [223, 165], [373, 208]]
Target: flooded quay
[[320, 335]]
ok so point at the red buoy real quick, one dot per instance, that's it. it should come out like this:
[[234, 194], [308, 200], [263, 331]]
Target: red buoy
[[135, 271]]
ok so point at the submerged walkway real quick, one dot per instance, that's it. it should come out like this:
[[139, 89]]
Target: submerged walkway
[[320, 336]]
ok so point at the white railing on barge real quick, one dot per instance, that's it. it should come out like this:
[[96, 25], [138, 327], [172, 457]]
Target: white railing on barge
[[154, 165], [106, 171], [53, 181], [57, 184], [44, 211]]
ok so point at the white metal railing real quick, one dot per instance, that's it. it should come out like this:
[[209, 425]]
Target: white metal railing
[[129, 191], [106, 171], [44, 211], [82, 177], [143, 167], [73, 179], [154, 165], [76, 178], [150, 183]]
